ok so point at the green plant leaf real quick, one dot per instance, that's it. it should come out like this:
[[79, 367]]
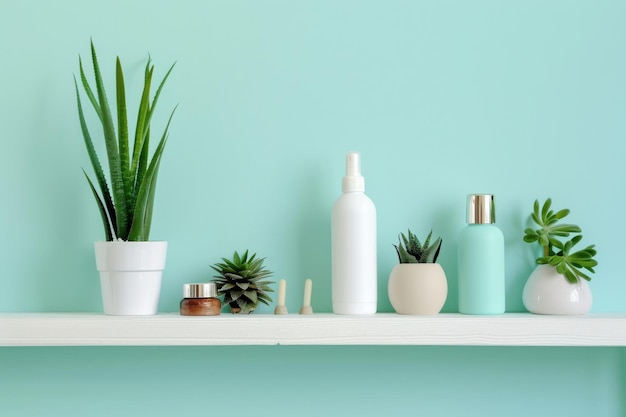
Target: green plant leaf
[[243, 285], [252, 296], [265, 300], [427, 241], [536, 218], [110, 226], [403, 256], [110, 138], [88, 90], [561, 214], [571, 277], [555, 242], [437, 244], [101, 208], [122, 126], [157, 94], [546, 208], [235, 294], [142, 216], [246, 307], [564, 229], [141, 148], [410, 250], [237, 258], [530, 235], [576, 239]]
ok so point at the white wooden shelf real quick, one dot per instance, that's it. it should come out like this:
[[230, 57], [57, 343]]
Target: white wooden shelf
[[511, 329]]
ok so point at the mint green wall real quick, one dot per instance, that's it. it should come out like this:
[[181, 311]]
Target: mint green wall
[[522, 99], [310, 381]]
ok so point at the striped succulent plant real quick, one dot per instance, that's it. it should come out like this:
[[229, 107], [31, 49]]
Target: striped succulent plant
[[415, 252]]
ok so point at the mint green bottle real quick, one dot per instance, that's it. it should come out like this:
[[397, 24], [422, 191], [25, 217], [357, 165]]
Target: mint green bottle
[[481, 259]]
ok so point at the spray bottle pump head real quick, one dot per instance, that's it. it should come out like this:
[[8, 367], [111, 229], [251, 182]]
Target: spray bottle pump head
[[353, 181]]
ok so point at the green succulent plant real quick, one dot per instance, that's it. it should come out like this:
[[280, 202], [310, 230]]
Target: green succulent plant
[[126, 208], [557, 251], [413, 251], [241, 281]]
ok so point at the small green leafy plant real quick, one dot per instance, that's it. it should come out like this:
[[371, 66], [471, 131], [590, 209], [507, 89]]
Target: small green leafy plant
[[126, 208], [557, 251], [413, 251], [241, 281]]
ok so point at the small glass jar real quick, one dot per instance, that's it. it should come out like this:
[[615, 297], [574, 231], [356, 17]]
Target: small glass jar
[[200, 300]]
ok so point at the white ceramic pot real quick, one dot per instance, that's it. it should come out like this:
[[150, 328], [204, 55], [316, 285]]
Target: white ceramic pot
[[548, 292], [417, 288], [130, 276]]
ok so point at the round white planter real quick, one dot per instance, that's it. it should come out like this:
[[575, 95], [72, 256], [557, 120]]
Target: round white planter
[[417, 288], [130, 276], [548, 292]]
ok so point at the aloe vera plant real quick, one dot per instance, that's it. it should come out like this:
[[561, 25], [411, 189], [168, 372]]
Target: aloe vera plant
[[556, 251], [126, 208]]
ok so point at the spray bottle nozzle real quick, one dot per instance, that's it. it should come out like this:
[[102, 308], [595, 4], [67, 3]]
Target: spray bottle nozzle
[[353, 181], [353, 164]]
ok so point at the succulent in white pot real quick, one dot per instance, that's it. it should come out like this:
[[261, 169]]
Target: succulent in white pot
[[125, 199], [418, 284], [558, 284]]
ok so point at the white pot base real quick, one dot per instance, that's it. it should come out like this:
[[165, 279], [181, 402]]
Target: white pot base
[[130, 276], [130, 293], [548, 292]]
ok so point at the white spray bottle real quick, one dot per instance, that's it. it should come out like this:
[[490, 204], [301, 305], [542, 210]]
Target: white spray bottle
[[353, 224]]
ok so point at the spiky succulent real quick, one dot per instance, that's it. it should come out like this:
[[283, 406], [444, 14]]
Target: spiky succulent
[[413, 251], [566, 261], [126, 207], [241, 281]]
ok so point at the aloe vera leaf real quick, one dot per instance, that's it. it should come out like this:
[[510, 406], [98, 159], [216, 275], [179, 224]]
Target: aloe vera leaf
[[88, 90], [97, 167], [157, 94], [140, 229], [148, 117], [140, 133], [101, 208], [152, 190], [117, 180], [142, 167], [122, 126]]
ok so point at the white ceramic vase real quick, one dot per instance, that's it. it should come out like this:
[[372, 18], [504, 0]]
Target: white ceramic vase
[[548, 292], [130, 276], [417, 288]]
